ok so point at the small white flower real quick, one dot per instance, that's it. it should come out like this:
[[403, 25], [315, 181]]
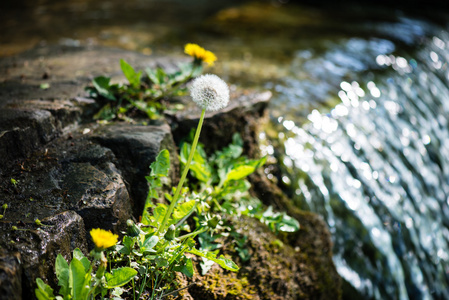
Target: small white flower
[[210, 92]]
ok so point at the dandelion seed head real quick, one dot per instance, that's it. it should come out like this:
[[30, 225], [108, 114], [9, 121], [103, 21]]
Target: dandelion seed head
[[210, 92]]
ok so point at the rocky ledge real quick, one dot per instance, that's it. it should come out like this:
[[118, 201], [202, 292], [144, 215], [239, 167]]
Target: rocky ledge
[[71, 174]]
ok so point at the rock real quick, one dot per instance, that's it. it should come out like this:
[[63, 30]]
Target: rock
[[28, 125], [98, 195], [23, 132], [73, 175], [35, 109], [38, 246], [313, 239], [10, 275], [278, 268], [136, 147], [72, 184], [69, 69]]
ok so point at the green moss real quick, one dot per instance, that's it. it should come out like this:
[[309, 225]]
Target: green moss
[[228, 285]]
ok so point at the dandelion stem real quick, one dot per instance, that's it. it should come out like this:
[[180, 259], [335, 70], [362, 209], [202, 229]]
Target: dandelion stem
[[192, 233], [184, 173], [217, 204]]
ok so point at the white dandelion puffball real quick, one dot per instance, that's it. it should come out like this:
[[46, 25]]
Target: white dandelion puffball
[[210, 92]]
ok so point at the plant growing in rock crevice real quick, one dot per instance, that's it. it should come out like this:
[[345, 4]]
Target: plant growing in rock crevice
[[151, 93]]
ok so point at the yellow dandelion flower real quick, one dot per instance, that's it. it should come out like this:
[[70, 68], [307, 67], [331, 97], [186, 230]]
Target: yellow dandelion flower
[[103, 239], [199, 53]]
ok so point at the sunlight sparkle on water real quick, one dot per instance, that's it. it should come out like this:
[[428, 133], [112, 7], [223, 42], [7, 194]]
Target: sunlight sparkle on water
[[339, 111], [401, 62], [288, 162], [433, 56], [381, 60], [334, 166], [346, 86], [439, 43], [365, 105], [344, 98], [350, 130], [375, 92], [392, 107], [288, 124]]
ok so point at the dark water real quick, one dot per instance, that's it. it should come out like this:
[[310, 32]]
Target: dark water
[[360, 112]]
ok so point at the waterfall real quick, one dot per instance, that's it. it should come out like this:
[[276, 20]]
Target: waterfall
[[375, 164]]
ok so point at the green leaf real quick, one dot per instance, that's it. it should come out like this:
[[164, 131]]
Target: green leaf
[[77, 279], [62, 273], [233, 151], [236, 186], [289, 224], [239, 172], [128, 244], [154, 184], [278, 221], [149, 243], [199, 167], [152, 76], [161, 75], [132, 76], [183, 209], [157, 217], [43, 291], [102, 86], [119, 277], [243, 170], [105, 113], [80, 256], [186, 268], [243, 253], [207, 242], [237, 140], [222, 261], [161, 166], [168, 196], [227, 263]]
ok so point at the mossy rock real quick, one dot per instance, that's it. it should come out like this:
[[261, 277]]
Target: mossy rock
[[285, 266]]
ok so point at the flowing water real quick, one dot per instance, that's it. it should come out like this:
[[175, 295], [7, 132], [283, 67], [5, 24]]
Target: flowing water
[[360, 107], [376, 165]]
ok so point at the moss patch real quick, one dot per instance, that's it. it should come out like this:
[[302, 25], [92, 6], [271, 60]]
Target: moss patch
[[278, 269]]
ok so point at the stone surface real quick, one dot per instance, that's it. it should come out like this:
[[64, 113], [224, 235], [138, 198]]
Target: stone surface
[[10, 275], [72, 185], [67, 70], [28, 125], [32, 114], [136, 147], [70, 174], [38, 245]]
